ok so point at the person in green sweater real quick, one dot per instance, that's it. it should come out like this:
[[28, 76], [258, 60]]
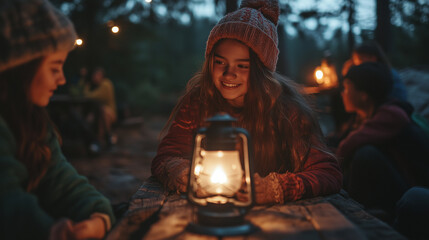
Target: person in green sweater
[[41, 195]]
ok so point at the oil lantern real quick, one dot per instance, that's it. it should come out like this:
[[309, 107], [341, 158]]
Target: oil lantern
[[220, 183]]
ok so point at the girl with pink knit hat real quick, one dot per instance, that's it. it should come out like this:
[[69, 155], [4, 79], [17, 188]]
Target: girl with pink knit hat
[[238, 77]]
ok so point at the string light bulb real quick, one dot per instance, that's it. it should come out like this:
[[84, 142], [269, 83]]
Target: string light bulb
[[79, 42], [115, 29]]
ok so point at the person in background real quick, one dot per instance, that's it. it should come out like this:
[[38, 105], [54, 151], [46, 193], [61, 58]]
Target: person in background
[[76, 86], [387, 153], [371, 52], [238, 77], [101, 89], [41, 194], [368, 51]]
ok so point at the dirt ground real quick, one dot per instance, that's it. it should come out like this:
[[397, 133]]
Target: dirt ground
[[119, 171]]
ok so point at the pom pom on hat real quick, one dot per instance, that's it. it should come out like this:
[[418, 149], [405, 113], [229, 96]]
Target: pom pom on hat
[[31, 29], [270, 9], [254, 24]]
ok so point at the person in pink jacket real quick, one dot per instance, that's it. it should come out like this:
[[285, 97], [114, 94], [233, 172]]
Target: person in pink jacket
[[238, 77]]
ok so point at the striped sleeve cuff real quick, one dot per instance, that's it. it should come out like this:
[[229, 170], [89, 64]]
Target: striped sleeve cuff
[[292, 185]]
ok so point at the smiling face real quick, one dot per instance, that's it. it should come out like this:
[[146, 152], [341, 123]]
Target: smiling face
[[47, 78], [230, 74]]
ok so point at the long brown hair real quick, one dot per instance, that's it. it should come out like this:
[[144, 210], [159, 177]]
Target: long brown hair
[[282, 125], [28, 122]]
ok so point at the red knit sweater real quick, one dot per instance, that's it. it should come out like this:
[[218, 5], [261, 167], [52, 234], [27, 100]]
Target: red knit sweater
[[320, 174]]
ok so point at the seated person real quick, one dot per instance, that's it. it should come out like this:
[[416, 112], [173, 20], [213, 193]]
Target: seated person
[[372, 52], [101, 89], [366, 52], [41, 194], [387, 153], [239, 78]]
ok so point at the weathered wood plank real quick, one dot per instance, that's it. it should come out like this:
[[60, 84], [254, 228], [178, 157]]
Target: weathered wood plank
[[281, 222], [275, 222], [372, 227], [155, 215], [331, 224], [173, 220]]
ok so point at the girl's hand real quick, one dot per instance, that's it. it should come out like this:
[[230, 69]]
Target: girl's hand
[[93, 228], [178, 174], [268, 189], [62, 230]]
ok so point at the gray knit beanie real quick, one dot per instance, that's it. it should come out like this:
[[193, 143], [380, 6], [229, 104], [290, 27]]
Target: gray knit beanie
[[254, 24], [30, 29]]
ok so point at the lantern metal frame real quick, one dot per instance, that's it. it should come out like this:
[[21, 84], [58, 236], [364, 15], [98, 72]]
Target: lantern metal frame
[[224, 217]]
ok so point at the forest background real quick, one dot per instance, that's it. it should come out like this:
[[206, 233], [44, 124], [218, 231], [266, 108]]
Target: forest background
[[161, 43]]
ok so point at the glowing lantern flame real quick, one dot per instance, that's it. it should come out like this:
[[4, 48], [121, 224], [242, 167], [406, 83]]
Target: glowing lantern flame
[[218, 172], [219, 176]]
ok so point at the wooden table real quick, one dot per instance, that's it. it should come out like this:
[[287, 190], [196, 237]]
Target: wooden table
[[156, 214]]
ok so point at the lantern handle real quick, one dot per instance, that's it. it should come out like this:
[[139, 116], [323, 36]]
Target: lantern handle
[[221, 118]]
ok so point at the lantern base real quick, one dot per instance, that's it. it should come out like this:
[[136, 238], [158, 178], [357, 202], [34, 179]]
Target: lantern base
[[243, 229], [221, 220], [220, 215]]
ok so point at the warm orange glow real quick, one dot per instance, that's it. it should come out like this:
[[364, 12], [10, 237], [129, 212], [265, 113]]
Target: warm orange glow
[[219, 172], [326, 76], [219, 176], [319, 75], [115, 29], [198, 169]]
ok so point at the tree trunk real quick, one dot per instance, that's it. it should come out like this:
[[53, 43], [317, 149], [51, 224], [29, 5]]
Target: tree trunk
[[383, 29], [231, 6], [351, 21], [91, 46]]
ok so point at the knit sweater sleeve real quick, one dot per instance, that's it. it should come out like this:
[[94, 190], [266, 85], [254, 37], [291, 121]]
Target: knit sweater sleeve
[[61, 193], [320, 175], [177, 144], [65, 193], [21, 214]]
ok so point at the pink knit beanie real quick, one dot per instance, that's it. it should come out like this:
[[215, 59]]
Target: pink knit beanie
[[254, 24]]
